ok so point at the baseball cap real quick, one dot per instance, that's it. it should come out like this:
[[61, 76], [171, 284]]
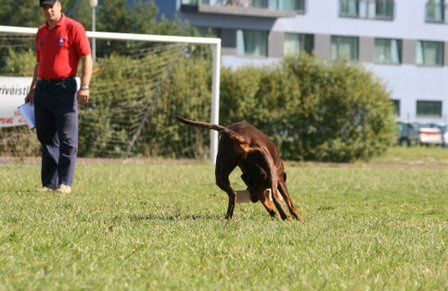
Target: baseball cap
[[47, 2]]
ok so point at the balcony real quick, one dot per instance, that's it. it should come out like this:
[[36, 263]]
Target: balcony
[[254, 8]]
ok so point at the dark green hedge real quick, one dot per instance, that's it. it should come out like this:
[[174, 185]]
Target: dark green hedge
[[335, 112], [313, 110], [122, 98]]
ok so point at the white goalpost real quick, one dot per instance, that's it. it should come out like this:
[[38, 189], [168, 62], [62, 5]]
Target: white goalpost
[[215, 44]]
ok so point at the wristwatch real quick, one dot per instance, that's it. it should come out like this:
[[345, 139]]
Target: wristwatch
[[84, 87]]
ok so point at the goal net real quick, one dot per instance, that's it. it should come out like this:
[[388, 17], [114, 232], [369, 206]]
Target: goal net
[[140, 83]]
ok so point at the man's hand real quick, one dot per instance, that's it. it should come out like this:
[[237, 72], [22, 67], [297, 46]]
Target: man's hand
[[30, 97], [83, 97], [83, 93]]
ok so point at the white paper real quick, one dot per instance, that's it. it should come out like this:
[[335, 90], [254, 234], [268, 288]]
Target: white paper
[[27, 111]]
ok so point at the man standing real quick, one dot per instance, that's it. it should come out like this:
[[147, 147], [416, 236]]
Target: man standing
[[60, 44]]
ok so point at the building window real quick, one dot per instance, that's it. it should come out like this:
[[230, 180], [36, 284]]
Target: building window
[[296, 43], [435, 11], [349, 8], [259, 3], [387, 51], [251, 42], [429, 53], [429, 109], [384, 9], [396, 105], [194, 2], [289, 5], [344, 47]]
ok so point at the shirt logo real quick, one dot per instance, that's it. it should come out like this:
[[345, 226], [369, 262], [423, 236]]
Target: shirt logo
[[61, 40]]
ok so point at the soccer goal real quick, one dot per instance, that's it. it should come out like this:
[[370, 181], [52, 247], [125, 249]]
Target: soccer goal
[[140, 83]]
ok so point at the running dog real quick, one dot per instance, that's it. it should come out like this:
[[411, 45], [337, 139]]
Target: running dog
[[247, 147]]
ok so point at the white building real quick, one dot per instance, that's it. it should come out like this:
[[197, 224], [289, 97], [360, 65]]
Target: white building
[[404, 42]]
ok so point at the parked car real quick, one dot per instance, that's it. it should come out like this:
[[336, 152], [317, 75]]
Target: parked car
[[443, 130], [407, 133], [415, 133]]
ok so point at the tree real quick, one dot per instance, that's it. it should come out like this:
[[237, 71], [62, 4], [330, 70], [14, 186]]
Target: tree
[[20, 13], [27, 12], [112, 16], [138, 17], [78, 10]]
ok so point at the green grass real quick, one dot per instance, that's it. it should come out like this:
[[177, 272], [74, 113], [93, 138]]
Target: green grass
[[415, 155], [152, 226]]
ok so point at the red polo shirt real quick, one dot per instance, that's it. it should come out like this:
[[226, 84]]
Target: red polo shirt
[[58, 50]]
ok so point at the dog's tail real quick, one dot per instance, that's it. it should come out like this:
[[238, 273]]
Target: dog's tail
[[221, 129]]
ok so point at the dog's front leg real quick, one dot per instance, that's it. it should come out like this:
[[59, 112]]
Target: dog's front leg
[[231, 206], [224, 166], [267, 203], [232, 199], [268, 165]]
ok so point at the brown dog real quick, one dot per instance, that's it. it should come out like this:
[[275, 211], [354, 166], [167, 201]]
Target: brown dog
[[247, 147]]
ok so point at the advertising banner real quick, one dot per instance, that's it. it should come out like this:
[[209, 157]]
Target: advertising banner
[[12, 94]]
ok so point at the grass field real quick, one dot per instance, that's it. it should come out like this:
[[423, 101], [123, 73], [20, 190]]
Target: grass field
[[155, 226]]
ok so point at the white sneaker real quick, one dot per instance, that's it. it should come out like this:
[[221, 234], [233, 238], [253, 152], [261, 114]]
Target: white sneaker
[[64, 189]]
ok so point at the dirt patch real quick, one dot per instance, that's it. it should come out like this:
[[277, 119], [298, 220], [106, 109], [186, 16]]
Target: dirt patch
[[36, 160], [398, 165]]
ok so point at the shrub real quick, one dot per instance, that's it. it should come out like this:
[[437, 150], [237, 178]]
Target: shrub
[[18, 142], [179, 93], [19, 64], [333, 112], [336, 112]]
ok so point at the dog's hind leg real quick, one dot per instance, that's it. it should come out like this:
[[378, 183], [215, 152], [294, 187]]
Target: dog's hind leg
[[280, 208], [292, 209], [222, 172]]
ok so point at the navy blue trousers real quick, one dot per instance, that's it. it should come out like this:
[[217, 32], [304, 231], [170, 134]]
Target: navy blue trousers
[[56, 111]]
